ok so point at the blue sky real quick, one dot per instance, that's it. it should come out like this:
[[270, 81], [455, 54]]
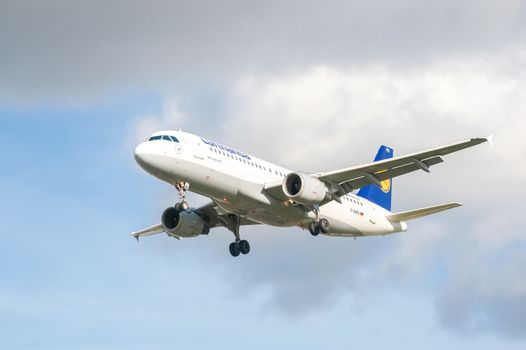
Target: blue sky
[[72, 110]]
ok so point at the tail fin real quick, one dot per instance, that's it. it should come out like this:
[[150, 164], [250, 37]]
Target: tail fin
[[375, 194]]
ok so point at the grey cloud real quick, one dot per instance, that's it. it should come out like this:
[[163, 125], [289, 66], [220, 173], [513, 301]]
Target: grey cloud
[[486, 294], [75, 50], [464, 311], [305, 275]]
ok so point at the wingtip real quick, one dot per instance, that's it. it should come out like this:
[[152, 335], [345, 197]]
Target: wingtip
[[490, 139], [136, 236]]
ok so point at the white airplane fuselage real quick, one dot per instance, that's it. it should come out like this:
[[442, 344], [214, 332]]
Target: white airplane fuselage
[[235, 181]]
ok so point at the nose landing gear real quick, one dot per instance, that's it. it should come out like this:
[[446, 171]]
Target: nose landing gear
[[181, 188]]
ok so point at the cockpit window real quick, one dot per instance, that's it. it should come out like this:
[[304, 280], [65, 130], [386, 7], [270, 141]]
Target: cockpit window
[[163, 137]]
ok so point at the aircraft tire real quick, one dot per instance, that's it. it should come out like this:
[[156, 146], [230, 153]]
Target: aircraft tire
[[244, 247], [314, 228], [181, 206], [324, 225], [234, 249]]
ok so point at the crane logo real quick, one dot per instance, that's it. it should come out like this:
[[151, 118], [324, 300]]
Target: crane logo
[[385, 185]]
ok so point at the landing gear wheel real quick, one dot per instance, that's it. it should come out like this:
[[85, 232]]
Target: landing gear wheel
[[244, 247], [324, 225], [179, 207], [314, 228], [182, 206], [234, 249]]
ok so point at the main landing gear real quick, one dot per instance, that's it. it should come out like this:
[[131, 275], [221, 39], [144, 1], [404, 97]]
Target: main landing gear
[[239, 246], [319, 225], [181, 188]]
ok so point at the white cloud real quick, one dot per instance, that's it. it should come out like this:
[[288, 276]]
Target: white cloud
[[170, 117], [324, 111]]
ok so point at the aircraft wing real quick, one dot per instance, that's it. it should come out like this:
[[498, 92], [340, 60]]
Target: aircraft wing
[[152, 230], [349, 179], [212, 215], [346, 180], [215, 216]]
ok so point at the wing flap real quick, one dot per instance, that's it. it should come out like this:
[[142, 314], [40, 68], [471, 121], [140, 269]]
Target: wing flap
[[417, 213]]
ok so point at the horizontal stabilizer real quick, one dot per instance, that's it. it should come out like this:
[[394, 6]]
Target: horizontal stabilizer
[[417, 213]]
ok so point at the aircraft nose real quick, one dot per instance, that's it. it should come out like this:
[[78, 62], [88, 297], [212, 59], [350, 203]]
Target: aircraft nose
[[142, 154]]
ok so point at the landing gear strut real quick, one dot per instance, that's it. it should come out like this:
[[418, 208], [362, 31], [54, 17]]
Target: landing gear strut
[[319, 225], [240, 246], [181, 188]]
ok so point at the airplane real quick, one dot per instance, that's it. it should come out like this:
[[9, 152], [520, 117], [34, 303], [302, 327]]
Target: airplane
[[246, 190]]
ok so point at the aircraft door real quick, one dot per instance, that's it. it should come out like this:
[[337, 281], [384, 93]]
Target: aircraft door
[[198, 151], [372, 215]]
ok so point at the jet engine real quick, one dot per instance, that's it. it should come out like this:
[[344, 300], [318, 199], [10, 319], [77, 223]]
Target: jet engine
[[182, 223], [305, 189]]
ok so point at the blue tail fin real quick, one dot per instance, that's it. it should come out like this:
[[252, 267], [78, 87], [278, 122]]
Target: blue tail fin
[[375, 194]]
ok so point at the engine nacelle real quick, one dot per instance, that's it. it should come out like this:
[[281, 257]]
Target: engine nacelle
[[182, 223], [305, 189]]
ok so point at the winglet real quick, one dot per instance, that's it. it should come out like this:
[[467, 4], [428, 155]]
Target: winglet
[[136, 236], [490, 139]]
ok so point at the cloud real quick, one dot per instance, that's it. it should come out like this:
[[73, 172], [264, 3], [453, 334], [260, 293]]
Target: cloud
[[312, 117], [324, 117], [170, 117], [486, 291], [66, 52], [326, 109]]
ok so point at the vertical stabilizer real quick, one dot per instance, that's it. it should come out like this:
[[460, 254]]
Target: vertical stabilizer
[[376, 194]]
